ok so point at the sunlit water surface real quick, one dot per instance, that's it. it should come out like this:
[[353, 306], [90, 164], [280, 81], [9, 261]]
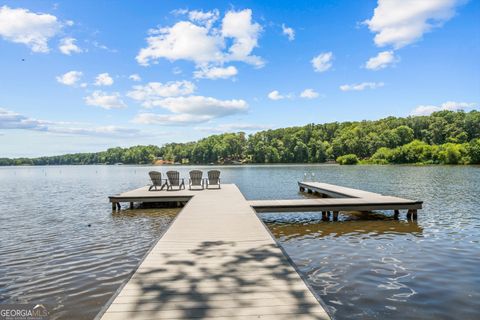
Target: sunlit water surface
[[61, 244]]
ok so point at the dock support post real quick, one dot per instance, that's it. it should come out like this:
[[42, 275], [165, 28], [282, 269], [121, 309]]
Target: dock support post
[[396, 214], [409, 214], [114, 206], [131, 205], [335, 215], [309, 190], [302, 189], [414, 214], [119, 207], [325, 215]]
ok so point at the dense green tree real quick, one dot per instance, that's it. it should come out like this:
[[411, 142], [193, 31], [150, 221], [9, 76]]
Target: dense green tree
[[443, 137]]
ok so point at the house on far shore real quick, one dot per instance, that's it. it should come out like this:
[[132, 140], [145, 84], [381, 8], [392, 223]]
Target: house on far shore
[[160, 161]]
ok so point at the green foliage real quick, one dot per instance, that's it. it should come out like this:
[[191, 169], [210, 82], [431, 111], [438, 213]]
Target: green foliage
[[445, 137], [348, 159], [474, 151]]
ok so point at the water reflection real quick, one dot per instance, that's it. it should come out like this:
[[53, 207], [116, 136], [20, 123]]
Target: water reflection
[[285, 230]]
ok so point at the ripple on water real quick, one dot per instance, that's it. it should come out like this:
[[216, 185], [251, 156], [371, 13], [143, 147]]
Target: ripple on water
[[67, 251], [364, 266]]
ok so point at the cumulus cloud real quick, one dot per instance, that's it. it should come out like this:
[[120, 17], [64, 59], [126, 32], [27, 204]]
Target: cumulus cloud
[[70, 78], [381, 60], [425, 110], [197, 40], [183, 41], [191, 109], [67, 46], [134, 77], [401, 22], [238, 25], [200, 105], [105, 100], [103, 79], [309, 94], [176, 97], [322, 62], [275, 95], [29, 28], [205, 18], [361, 86], [289, 32], [215, 72], [13, 120], [153, 91]]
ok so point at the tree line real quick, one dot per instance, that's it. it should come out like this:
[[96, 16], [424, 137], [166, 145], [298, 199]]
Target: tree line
[[445, 137]]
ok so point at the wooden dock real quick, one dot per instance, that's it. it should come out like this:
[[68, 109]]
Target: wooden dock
[[217, 260], [332, 198]]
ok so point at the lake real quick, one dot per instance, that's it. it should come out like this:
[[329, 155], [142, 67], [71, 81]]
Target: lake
[[62, 246]]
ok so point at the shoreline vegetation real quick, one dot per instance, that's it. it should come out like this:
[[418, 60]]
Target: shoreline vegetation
[[444, 137]]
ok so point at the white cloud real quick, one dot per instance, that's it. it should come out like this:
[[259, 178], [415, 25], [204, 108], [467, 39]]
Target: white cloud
[[183, 41], [402, 22], [205, 18], [67, 46], [70, 78], [361, 86], [104, 100], [289, 32], [216, 72], [322, 62], [425, 110], [381, 60], [200, 105], [234, 127], [309, 94], [153, 91], [12, 120], [103, 79], [196, 40], [238, 25], [170, 119], [191, 109], [176, 97], [29, 28], [275, 95], [134, 77]]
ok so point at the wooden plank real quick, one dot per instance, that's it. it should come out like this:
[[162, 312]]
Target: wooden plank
[[216, 260], [336, 191], [344, 204]]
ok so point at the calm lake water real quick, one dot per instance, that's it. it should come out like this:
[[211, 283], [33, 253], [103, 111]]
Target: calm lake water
[[61, 244]]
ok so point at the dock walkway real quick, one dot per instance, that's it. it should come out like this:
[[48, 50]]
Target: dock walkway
[[217, 260], [336, 198]]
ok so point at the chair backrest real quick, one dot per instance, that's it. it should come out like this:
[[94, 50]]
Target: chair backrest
[[213, 176], [156, 178], [196, 177], [173, 177]]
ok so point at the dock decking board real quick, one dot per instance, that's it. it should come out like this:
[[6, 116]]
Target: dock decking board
[[339, 199], [217, 260]]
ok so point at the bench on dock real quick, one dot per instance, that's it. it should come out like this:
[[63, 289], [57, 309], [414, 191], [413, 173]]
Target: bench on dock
[[217, 260]]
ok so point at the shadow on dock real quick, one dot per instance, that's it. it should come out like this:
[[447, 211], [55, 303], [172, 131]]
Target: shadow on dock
[[211, 281]]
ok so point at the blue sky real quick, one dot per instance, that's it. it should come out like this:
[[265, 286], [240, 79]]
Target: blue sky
[[87, 75]]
